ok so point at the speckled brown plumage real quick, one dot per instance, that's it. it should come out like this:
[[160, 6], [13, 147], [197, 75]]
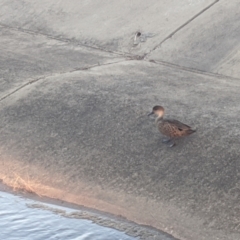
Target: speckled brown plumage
[[170, 127], [173, 128]]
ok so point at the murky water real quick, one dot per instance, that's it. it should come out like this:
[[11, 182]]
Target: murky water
[[22, 218]]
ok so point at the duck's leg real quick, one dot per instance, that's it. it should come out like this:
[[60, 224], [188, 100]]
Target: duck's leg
[[166, 140], [169, 141]]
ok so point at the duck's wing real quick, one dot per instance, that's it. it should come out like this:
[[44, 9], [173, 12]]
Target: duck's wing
[[174, 128], [177, 124]]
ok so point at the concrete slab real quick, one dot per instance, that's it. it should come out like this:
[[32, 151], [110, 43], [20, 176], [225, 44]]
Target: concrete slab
[[85, 136], [25, 57], [110, 25], [230, 64], [209, 43]]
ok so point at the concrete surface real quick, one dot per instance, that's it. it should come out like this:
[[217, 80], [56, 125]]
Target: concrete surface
[[80, 132], [209, 43], [26, 57], [111, 25]]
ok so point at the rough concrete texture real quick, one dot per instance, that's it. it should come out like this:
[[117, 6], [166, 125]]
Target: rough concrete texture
[[208, 43], [80, 129], [110, 25], [26, 57]]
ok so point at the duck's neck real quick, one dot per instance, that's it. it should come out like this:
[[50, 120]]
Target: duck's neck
[[159, 119]]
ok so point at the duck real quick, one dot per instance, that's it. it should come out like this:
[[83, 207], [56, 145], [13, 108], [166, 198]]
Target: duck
[[170, 128]]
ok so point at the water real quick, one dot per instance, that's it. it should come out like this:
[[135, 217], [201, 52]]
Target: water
[[22, 218]]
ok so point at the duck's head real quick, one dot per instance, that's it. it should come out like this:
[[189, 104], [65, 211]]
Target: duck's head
[[158, 111]]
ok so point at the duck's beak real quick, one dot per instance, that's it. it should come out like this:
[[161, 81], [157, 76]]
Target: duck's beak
[[151, 113]]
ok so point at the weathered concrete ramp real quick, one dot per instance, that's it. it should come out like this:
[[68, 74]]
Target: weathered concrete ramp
[[26, 57], [208, 43], [91, 128], [74, 122], [110, 25]]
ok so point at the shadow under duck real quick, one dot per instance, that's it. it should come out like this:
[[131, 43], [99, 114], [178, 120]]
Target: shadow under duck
[[169, 127]]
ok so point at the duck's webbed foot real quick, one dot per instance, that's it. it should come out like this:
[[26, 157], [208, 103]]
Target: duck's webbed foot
[[171, 144]]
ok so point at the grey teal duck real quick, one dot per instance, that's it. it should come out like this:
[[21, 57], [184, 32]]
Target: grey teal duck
[[170, 128]]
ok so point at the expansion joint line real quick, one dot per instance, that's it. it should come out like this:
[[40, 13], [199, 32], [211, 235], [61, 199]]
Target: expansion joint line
[[192, 70], [181, 27], [64, 40], [60, 73]]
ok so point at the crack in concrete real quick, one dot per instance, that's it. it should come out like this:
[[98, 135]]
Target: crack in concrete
[[167, 64], [124, 54], [181, 27], [57, 74], [66, 40], [127, 56], [193, 70]]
